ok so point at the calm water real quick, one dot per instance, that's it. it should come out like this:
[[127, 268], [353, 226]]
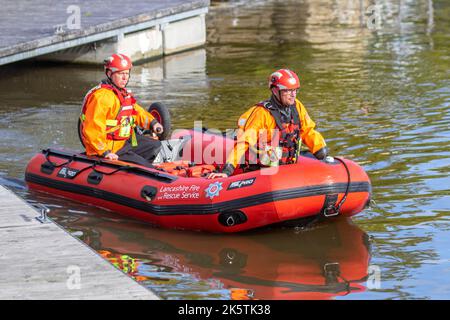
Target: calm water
[[379, 96]]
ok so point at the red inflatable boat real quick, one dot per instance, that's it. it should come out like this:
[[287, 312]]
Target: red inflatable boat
[[174, 194]]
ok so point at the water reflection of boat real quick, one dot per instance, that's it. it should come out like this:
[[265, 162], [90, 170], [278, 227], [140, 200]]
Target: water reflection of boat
[[330, 260]]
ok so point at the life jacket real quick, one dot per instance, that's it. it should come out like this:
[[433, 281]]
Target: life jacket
[[288, 138], [183, 168], [122, 126], [202, 170]]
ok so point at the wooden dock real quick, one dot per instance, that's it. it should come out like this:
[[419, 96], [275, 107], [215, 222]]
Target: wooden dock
[[42, 261], [89, 31]]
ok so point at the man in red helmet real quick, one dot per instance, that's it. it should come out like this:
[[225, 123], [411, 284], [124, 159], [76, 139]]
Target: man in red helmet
[[275, 128], [110, 114]]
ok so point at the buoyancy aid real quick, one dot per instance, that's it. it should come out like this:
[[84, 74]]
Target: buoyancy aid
[[288, 136], [183, 168], [122, 126]]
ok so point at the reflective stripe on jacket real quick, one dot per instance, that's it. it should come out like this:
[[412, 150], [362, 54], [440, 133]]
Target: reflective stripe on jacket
[[108, 118], [259, 124]]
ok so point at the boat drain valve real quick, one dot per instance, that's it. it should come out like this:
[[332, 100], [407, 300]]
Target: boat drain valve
[[148, 193], [232, 218]]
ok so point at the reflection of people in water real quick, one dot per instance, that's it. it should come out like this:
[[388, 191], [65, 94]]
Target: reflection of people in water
[[328, 261], [124, 262]]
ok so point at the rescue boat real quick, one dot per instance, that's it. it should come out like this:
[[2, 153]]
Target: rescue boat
[[175, 194]]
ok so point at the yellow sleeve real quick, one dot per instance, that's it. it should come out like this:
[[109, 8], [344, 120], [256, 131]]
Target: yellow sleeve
[[248, 137], [312, 138], [143, 118], [94, 126]]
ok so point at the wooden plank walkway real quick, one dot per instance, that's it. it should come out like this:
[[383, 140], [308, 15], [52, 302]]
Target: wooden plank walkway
[[42, 261], [32, 28]]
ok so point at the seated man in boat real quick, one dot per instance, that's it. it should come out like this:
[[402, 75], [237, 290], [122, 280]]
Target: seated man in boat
[[110, 114], [281, 118]]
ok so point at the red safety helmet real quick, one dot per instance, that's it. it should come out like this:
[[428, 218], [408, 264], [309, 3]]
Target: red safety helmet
[[118, 62], [284, 79]]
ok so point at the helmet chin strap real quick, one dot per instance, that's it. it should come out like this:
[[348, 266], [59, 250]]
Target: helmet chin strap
[[276, 94], [109, 78]]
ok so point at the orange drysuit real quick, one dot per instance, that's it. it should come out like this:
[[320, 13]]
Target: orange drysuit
[[102, 105], [260, 123]]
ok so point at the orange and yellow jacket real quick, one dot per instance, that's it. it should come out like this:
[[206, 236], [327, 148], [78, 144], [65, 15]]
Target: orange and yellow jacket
[[101, 105], [258, 119]]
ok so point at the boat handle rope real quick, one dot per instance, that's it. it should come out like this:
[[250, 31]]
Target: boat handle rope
[[47, 157], [92, 166], [72, 158], [121, 168], [347, 189], [333, 210]]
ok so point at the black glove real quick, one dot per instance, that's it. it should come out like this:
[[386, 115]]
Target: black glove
[[105, 153], [228, 169], [321, 154]]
